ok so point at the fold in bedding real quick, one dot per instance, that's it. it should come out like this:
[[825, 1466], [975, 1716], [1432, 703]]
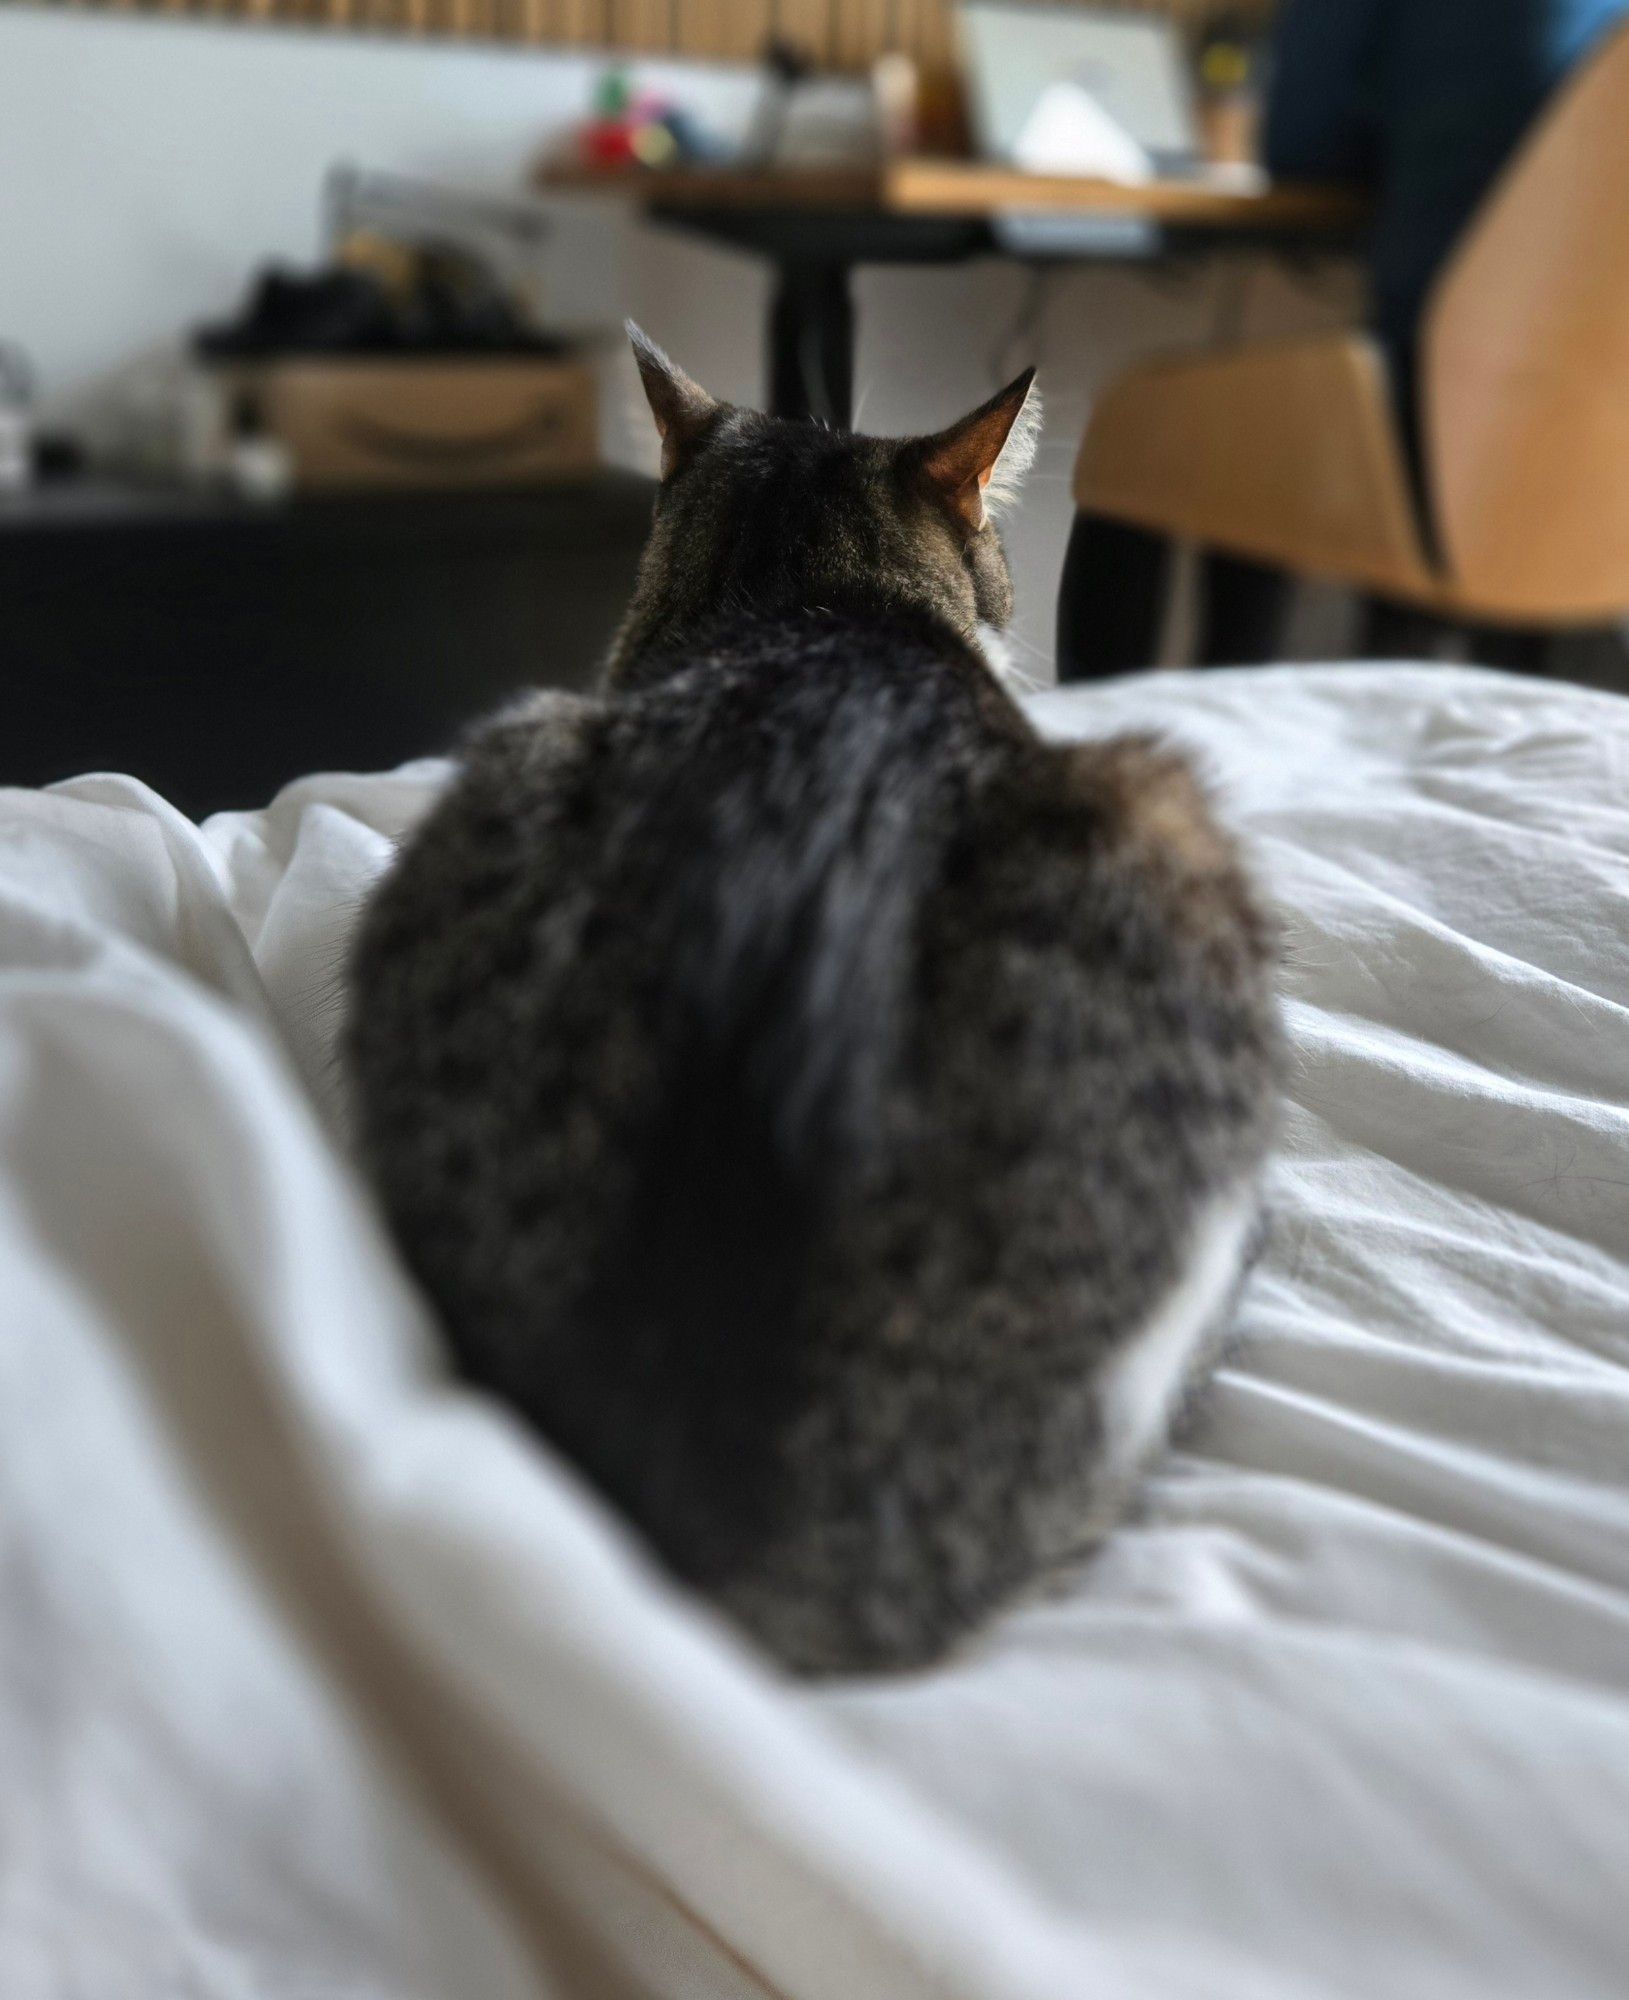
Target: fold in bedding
[[318, 1675]]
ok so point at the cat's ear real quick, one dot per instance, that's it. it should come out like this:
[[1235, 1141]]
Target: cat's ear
[[681, 407], [977, 464]]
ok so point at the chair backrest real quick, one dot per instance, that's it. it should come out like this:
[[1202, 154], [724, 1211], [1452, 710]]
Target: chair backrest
[[1526, 366]]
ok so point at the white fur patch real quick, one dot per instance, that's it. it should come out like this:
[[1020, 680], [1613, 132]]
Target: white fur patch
[[1144, 1383], [1017, 455], [997, 651]]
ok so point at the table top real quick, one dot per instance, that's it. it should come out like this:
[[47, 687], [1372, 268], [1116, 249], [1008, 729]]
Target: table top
[[924, 186]]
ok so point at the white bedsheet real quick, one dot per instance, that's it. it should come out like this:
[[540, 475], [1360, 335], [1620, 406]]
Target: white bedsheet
[[319, 1677]]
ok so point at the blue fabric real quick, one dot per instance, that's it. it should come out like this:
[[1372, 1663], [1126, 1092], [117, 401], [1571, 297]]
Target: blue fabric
[[1421, 102]]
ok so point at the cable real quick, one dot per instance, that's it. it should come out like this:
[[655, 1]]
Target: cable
[[1024, 327]]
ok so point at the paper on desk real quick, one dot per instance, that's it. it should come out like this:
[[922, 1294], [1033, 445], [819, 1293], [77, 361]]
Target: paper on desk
[[1069, 132]]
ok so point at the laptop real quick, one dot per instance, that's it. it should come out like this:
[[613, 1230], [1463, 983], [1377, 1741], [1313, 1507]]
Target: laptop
[[1132, 65]]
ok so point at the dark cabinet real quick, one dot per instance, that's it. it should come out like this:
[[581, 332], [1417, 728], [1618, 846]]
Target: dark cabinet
[[218, 648]]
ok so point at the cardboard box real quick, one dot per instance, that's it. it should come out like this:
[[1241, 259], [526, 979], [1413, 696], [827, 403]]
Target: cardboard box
[[418, 421]]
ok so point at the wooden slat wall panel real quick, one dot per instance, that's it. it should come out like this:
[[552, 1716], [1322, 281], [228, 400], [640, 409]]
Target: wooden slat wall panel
[[808, 23], [644, 24], [843, 34]]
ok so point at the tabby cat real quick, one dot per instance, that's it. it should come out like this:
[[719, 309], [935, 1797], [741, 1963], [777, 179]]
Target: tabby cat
[[832, 1115]]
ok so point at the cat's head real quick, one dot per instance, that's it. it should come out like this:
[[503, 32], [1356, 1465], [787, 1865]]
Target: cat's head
[[757, 515]]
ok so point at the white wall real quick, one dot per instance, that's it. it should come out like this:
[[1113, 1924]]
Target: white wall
[[148, 165]]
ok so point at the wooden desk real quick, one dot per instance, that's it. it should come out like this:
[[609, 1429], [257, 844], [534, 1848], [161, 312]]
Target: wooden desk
[[816, 225]]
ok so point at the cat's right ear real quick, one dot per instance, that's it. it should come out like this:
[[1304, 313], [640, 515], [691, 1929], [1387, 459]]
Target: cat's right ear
[[978, 463], [681, 407]]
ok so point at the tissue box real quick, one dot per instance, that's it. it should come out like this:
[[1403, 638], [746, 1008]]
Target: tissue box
[[416, 421]]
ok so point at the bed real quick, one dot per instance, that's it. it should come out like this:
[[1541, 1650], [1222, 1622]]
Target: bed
[[319, 1676]]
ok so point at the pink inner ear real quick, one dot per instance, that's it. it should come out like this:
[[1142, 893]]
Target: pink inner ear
[[959, 471], [967, 498], [954, 462], [961, 461]]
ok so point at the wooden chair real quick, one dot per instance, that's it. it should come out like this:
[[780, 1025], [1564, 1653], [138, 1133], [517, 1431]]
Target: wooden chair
[[1290, 452]]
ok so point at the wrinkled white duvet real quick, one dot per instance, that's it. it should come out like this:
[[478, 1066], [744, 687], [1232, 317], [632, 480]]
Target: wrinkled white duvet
[[319, 1677]]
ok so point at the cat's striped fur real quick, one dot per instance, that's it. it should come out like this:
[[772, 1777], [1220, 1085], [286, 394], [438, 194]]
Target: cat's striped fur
[[831, 1114]]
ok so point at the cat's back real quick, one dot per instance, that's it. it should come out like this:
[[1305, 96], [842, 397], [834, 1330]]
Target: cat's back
[[631, 996], [792, 1079]]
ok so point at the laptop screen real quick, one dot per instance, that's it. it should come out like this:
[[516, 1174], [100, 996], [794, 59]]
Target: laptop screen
[[1132, 65]]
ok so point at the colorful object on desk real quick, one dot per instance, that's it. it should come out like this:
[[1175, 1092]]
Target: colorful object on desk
[[640, 129], [1229, 75]]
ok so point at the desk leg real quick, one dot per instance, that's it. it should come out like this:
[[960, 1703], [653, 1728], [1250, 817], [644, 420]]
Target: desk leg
[[811, 343]]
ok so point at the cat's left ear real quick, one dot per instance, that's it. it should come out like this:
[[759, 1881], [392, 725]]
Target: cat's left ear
[[681, 407], [977, 464]]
